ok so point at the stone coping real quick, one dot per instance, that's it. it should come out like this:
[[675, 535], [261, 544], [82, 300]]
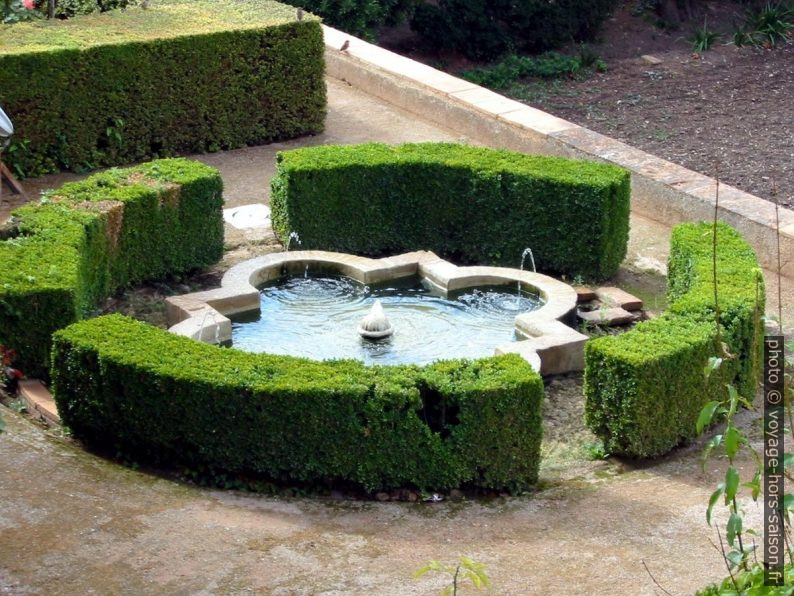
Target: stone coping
[[204, 315], [661, 190]]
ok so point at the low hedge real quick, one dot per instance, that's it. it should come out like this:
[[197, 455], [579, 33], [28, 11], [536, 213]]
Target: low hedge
[[470, 204], [167, 399], [645, 388], [87, 239], [184, 76]]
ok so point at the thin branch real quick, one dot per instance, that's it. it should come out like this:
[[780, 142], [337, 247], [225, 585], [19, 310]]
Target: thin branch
[[727, 563], [658, 585]]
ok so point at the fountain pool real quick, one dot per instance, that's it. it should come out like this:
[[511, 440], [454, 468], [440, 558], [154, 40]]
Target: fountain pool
[[317, 317], [313, 304]]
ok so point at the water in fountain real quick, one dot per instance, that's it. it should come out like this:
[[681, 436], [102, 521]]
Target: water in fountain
[[318, 317], [292, 236], [527, 251]]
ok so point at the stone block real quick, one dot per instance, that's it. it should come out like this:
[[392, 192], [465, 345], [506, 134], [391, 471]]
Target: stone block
[[609, 317], [611, 296]]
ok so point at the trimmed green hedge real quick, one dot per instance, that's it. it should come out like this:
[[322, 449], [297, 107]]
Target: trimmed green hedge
[[471, 204], [167, 399], [184, 76], [87, 239], [645, 388]]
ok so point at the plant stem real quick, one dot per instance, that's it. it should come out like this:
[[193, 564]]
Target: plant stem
[[714, 256]]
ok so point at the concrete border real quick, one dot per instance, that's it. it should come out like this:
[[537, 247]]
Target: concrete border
[[552, 347], [661, 190]]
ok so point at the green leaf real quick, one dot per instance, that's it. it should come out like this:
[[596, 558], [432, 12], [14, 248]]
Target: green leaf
[[788, 501], [731, 483], [733, 528], [788, 460], [706, 415], [755, 485], [713, 501], [732, 441], [735, 558], [712, 365], [734, 400]]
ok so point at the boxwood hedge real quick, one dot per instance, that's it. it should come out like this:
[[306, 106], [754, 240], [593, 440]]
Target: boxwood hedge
[[184, 76], [645, 388], [470, 204], [163, 398], [89, 238]]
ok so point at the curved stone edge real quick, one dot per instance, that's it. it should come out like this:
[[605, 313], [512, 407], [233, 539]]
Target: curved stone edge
[[551, 348], [661, 191]]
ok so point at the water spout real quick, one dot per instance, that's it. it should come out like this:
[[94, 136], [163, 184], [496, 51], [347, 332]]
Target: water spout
[[292, 236], [527, 251], [375, 325]]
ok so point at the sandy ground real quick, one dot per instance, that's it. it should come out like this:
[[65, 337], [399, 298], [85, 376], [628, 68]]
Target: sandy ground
[[72, 523]]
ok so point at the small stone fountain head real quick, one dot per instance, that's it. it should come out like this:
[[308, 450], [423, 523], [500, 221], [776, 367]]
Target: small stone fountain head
[[375, 325]]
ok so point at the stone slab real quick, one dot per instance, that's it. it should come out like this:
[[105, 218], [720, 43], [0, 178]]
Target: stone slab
[[248, 217], [39, 400], [609, 317], [611, 296], [584, 294]]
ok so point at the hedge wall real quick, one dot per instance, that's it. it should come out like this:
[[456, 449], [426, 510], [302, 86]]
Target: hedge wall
[[470, 204], [164, 398], [89, 238], [183, 76], [645, 388]]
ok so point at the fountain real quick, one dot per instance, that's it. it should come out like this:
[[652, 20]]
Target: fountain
[[336, 310], [375, 325]]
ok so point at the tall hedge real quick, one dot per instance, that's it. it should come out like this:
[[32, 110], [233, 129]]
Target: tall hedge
[[471, 204], [184, 76], [645, 388], [166, 399], [89, 238], [488, 28]]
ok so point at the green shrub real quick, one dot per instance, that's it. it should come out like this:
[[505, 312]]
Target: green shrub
[[467, 203], [487, 29], [504, 73], [181, 77], [359, 17], [170, 400], [645, 388], [89, 238]]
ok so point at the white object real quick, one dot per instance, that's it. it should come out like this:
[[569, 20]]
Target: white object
[[248, 216], [6, 128], [375, 325]]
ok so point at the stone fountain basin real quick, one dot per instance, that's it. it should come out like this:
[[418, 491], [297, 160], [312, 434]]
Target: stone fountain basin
[[551, 347]]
